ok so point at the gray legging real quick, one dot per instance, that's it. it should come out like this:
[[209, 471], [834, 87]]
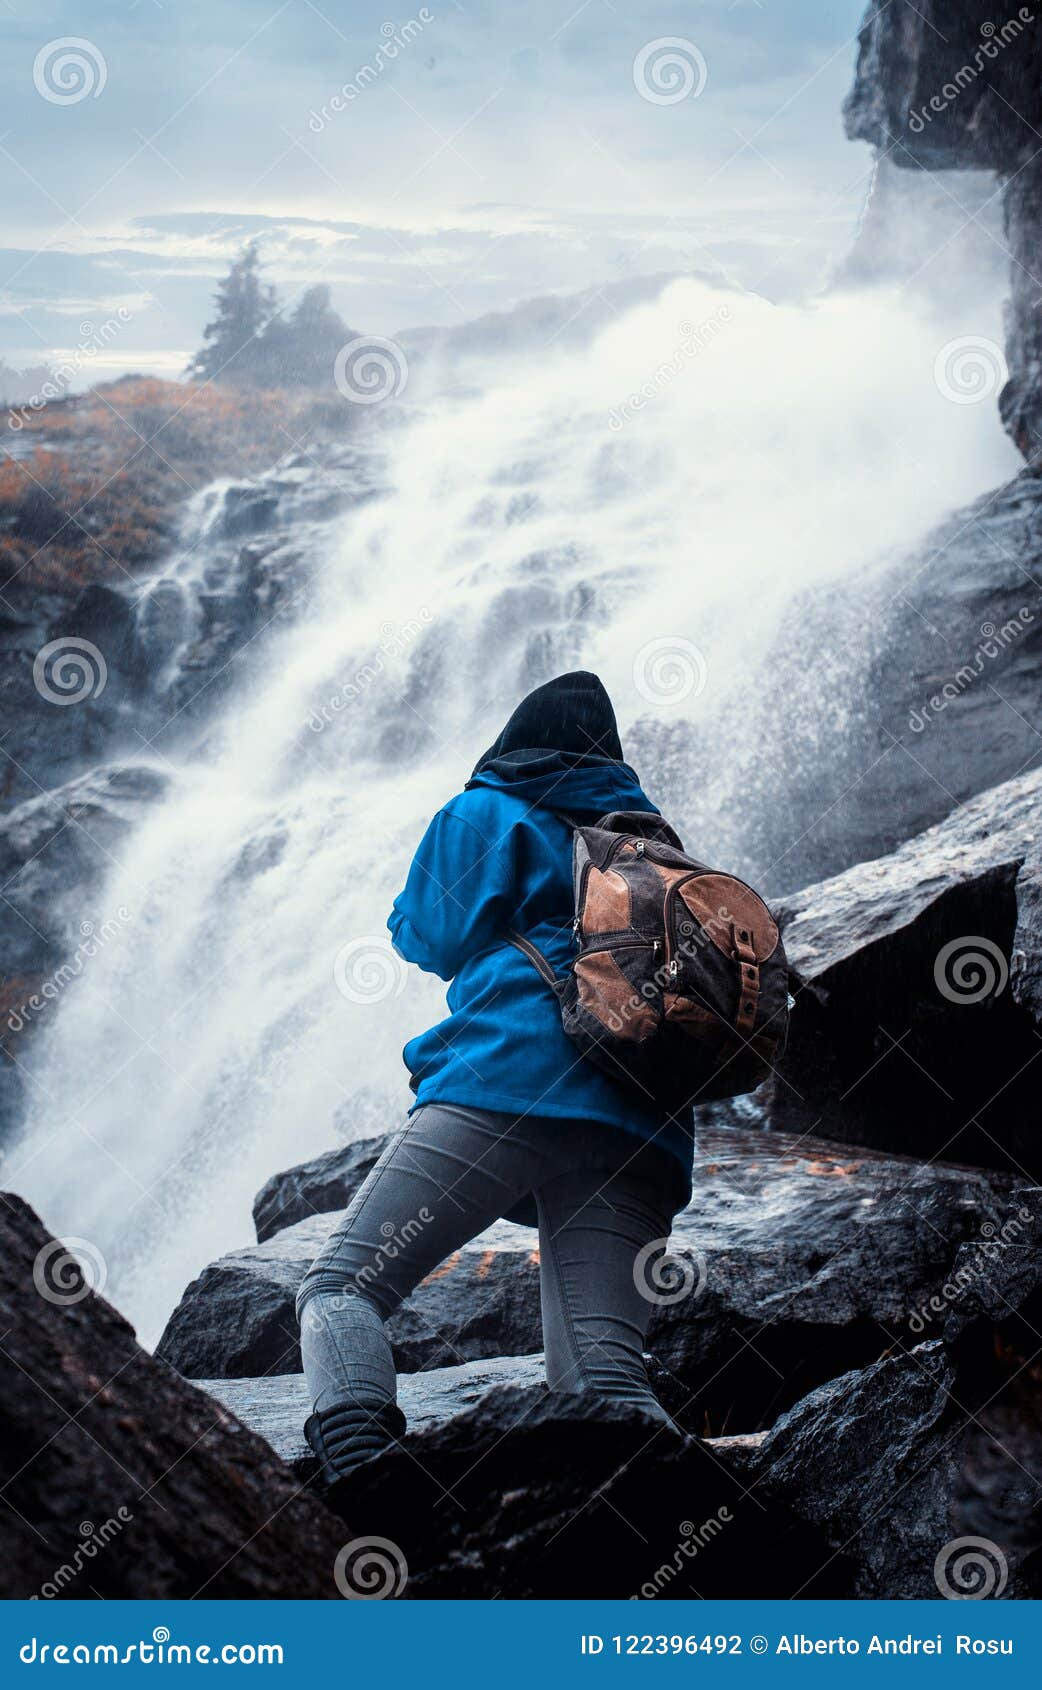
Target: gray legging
[[600, 1195]]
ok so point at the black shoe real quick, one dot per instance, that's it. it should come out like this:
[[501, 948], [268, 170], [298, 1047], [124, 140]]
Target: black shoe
[[345, 1437]]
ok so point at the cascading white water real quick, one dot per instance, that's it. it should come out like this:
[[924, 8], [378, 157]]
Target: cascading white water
[[537, 520]]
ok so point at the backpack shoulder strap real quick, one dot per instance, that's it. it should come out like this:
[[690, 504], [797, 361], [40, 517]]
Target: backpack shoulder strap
[[536, 958]]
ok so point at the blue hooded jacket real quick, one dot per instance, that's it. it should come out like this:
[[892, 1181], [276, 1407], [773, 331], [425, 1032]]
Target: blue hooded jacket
[[499, 856]]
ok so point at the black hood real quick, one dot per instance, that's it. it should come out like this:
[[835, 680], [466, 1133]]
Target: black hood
[[568, 723]]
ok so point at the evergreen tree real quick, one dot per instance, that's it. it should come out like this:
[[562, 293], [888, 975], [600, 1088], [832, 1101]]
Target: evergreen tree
[[245, 306], [298, 348], [316, 334]]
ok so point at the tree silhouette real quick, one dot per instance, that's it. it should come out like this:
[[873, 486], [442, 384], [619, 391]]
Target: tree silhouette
[[245, 306]]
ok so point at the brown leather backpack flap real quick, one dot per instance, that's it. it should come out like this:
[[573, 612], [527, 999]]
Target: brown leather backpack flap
[[735, 917]]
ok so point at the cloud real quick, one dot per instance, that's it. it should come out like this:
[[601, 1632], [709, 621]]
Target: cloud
[[500, 153]]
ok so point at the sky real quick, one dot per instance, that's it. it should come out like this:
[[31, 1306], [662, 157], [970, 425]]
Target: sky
[[483, 153]]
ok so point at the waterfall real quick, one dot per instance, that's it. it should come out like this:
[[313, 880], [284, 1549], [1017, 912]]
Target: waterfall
[[649, 506]]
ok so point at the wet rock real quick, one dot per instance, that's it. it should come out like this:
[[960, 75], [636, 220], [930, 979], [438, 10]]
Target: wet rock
[[237, 1319], [939, 88], [120, 1479], [936, 1442], [997, 1276], [56, 849], [56, 852], [783, 1273], [317, 1187], [276, 1405], [868, 1459], [908, 53], [249, 509], [916, 1023], [557, 1496]]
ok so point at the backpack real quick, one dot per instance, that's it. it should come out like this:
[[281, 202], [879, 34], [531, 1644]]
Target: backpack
[[680, 984]]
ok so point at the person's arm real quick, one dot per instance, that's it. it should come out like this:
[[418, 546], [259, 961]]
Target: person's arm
[[458, 898]]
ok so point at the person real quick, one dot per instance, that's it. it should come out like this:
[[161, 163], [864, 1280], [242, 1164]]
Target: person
[[509, 1119]]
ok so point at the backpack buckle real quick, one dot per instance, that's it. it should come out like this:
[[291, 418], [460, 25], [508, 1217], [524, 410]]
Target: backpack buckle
[[741, 943]]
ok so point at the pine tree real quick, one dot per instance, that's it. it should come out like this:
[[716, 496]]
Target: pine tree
[[245, 305]]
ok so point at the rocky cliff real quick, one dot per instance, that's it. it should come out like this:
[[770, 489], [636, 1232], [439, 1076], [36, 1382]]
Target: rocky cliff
[[939, 86]]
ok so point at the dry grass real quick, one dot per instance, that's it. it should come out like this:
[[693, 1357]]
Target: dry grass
[[98, 496]]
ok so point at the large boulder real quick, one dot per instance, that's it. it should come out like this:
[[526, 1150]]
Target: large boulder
[[883, 1437], [277, 1405], [119, 1478], [932, 1452], [793, 1255], [918, 1002], [559, 1496], [237, 1319], [56, 853], [317, 1187], [869, 1486]]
